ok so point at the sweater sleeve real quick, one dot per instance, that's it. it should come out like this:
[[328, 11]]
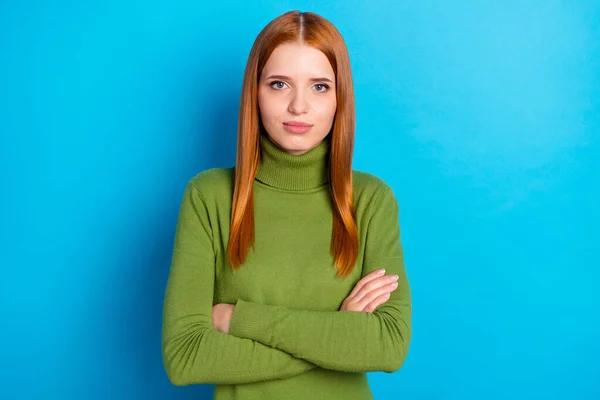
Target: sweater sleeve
[[193, 352], [344, 341]]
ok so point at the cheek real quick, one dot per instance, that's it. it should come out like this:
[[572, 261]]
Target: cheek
[[267, 106], [262, 108], [326, 109]]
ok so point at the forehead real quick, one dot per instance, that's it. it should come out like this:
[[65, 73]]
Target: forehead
[[299, 61]]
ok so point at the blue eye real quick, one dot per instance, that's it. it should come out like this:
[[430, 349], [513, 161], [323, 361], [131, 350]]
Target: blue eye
[[276, 82], [322, 84]]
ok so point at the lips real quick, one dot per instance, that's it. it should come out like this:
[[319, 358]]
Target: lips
[[297, 126], [297, 123]]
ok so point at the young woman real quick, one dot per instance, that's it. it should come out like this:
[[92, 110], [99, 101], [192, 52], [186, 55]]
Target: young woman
[[277, 288]]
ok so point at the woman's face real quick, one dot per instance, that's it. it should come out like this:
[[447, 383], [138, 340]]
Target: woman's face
[[297, 85]]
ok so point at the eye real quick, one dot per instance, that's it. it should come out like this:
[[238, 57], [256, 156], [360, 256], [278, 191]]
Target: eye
[[276, 84], [324, 86]]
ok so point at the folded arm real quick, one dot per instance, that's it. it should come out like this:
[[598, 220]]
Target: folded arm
[[344, 340]]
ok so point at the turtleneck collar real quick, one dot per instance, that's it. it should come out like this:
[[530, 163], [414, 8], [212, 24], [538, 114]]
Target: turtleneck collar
[[282, 170]]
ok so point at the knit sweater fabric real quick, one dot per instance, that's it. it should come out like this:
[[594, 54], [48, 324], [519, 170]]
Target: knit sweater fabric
[[287, 338]]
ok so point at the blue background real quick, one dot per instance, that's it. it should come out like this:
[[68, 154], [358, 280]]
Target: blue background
[[482, 116]]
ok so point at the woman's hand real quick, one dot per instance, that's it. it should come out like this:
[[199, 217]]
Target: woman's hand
[[221, 316], [370, 292]]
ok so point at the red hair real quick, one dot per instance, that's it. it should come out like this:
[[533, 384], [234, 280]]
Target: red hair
[[316, 31]]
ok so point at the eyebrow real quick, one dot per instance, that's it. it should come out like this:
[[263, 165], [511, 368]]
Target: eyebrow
[[288, 78]]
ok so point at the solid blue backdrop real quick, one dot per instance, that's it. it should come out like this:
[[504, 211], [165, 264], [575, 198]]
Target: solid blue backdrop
[[482, 116]]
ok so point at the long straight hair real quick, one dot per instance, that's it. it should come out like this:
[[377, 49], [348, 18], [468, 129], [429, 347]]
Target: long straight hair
[[315, 31]]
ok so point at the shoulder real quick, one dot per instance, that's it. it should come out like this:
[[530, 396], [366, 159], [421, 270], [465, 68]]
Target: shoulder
[[214, 182], [372, 194], [367, 183]]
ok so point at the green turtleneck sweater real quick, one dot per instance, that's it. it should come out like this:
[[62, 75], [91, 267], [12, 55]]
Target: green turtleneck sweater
[[287, 339]]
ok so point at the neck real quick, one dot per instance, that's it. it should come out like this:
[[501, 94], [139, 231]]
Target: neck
[[282, 170]]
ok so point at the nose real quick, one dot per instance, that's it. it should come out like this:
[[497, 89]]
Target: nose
[[298, 103]]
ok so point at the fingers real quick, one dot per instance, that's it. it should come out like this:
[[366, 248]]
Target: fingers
[[368, 278], [370, 292], [372, 306], [377, 296], [374, 284]]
